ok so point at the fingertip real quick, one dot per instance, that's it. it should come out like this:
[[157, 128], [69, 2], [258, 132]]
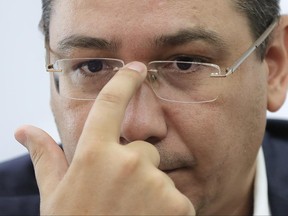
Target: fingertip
[[27, 134], [137, 67], [20, 134]]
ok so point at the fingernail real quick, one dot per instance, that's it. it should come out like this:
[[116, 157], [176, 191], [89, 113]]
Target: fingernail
[[137, 66]]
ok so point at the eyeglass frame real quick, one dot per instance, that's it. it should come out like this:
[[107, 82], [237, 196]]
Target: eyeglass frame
[[228, 71]]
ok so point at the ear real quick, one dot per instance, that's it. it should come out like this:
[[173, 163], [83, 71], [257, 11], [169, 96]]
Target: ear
[[277, 61]]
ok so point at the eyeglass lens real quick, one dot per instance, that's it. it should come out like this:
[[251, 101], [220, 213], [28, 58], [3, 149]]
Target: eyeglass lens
[[175, 81]]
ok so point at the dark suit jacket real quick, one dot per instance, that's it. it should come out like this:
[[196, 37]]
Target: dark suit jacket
[[19, 193]]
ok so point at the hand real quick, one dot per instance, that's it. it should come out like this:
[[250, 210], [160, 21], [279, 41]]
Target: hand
[[104, 177]]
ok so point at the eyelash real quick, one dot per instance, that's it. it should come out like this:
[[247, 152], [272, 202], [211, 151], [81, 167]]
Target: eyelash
[[200, 59], [78, 67], [185, 58]]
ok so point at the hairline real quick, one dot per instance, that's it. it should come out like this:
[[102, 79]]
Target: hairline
[[239, 5]]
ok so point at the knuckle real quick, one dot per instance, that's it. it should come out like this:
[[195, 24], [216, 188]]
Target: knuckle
[[88, 158], [181, 205], [129, 164], [110, 98], [36, 151], [157, 181], [125, 165], [36, 155]]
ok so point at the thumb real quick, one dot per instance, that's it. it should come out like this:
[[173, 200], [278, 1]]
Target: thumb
[[48, 159]]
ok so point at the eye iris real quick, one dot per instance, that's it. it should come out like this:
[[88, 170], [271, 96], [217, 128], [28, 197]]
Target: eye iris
[[95, 66], [184, 66]]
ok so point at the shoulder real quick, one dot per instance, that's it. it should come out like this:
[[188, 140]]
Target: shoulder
[[275, 146], [17, 177], [275, 143], [278, 128], [18, 188]]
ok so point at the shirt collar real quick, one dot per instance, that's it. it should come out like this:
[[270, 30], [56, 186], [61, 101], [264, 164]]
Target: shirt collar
[[261, 203]]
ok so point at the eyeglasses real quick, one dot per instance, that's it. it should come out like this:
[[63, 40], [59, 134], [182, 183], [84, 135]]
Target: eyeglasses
[[174, 81]]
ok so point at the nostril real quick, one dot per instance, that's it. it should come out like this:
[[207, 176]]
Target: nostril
[[151, 140], [123, 141]]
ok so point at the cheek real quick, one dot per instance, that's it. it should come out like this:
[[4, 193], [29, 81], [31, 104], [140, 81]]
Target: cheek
[[200, 128], [246, 104], [70, 116], [224, 136], [231, 131]]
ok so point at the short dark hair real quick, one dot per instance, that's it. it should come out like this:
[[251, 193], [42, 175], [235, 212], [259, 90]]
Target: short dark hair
[[260, 13], [45, 18]]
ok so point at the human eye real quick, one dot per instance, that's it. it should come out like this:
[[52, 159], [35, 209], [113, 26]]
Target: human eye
[[92, 67], [187, 64], [90, 72]]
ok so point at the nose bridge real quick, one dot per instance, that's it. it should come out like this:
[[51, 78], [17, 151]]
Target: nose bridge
[[144, 118]]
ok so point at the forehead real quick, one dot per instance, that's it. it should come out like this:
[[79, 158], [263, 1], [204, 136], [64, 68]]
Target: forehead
[[126, 20]]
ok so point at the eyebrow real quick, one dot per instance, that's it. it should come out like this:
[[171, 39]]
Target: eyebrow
[[80, 41], [185, 36], [181, 37]]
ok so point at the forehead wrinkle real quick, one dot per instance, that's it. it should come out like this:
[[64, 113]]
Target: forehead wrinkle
[[86, 42], [184, 36]]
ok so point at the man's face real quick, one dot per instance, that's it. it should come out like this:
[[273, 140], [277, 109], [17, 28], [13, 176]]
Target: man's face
[[208, 149]]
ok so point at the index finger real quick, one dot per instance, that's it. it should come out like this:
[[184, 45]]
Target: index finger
[[104, 120]]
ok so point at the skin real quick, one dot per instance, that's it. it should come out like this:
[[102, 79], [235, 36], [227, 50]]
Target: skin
[[138, 154]]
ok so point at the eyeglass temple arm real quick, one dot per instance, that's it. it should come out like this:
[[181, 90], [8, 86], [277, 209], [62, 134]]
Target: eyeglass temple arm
[[253, 47]]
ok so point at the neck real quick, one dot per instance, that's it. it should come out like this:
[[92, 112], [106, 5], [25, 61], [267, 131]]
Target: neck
[[245, 203], [245, 207]]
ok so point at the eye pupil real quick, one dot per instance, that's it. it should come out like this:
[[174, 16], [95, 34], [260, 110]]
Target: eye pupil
[[95, 66], [184, 62], [184, 66]]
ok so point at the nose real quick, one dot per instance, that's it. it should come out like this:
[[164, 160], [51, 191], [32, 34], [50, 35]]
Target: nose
[[144, 118]]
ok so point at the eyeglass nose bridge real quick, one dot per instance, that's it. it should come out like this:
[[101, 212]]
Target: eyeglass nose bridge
[[152, 73]]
